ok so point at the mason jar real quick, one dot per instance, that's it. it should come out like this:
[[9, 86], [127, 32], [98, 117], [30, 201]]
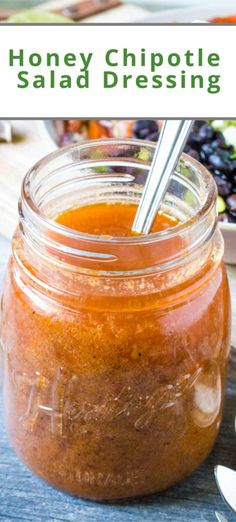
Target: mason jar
[[115, 348]]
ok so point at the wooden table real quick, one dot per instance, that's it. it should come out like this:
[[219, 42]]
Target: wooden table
[[25, 498]]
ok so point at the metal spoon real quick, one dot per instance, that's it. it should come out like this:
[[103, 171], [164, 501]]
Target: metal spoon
[[226, 483], [220, 517], [171, 142]]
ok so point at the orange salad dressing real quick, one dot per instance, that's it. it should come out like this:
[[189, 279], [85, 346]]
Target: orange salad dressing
[[108, 219], [119, 391]]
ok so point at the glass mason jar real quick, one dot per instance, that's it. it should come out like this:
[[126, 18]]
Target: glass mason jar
[[115, 348]]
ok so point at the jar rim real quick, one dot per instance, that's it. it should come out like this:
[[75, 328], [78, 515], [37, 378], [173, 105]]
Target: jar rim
[[27, 199]]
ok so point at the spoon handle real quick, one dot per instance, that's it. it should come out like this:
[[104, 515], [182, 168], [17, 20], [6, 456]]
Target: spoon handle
[[169, 147], [220, 517]]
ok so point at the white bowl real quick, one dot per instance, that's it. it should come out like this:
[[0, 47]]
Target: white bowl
[[229, 234]]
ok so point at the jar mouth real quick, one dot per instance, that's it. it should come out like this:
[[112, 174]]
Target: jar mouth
[[113, 170], [29, 207]]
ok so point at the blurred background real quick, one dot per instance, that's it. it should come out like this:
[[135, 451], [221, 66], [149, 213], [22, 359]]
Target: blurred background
[[149, 4], [118, 10]]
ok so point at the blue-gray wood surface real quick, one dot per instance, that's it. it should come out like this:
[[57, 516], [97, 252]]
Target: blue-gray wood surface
[[23, 497]]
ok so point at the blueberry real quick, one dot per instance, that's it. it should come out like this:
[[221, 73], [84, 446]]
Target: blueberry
[[198, 124], [218, 140], [206, 132], [233, 181], [143, 128], [143, 133], [143, 124], [233, 166], [231, 204], [187, 147], [194, 154], [154, 136], [226, 218], [207, 149], [217, 144], [220, 173], [203, 157], [220, 160], [194, 138], [218, 135], [224, 187]]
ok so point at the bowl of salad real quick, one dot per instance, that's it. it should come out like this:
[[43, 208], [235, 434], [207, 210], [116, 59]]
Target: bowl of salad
[[212, 142]]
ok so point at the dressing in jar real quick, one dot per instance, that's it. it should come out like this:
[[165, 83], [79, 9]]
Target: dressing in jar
[[115, 344]]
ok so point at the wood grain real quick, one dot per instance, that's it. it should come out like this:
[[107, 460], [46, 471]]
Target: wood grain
[[30, 143]]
